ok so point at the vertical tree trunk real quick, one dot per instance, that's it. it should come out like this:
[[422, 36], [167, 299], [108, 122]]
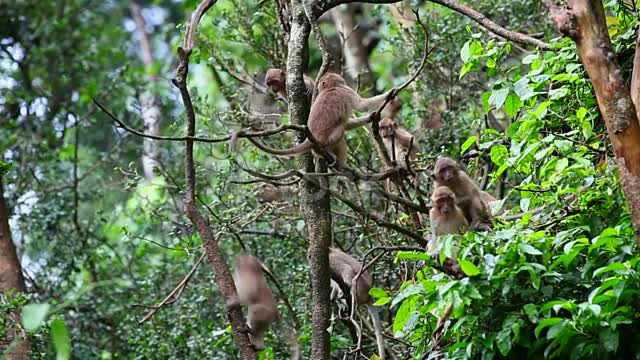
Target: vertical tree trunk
[[149, 102], [315, 204], [222, 274], [10, 278], [356, 55], [585, 22]]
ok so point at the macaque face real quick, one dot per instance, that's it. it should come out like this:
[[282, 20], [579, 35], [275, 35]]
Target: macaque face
[[276, 79], [447, 174], [330, 80], [446, 170], [444, 204], [387, 127]]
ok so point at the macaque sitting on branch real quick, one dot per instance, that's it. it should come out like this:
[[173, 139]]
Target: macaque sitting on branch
[[254, 292], [400, 143], [344, 269], [329, 118], [445, 217], [468, 195], [276, 80]]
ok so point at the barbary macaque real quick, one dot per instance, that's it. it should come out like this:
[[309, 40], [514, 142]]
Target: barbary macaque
[[468, 195], [398, 142], [276, 80], [343, 269], [254, 292], [445, 217], [329, 118]]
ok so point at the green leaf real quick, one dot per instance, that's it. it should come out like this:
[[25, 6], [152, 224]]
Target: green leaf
[[378, 293], [465, 54], [512, 105], [33, 315], [61, 340], [523, 89], [503, 341], [498, 97], [546, 323], [529, 249], [609, 339], [411, 255], [468, 267], [470, 141]]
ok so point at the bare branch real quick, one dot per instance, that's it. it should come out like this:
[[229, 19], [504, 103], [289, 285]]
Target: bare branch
[[321, 7]]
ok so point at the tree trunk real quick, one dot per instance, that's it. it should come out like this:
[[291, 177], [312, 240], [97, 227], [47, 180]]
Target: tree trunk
[[151, 112], [10, 278], [315, 204], [584, 21], [356, 55]]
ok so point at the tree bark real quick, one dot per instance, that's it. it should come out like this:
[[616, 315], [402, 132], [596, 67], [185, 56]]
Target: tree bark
[[221, 272], [11, 278], [315, 203], [584, 21], [149, 102]]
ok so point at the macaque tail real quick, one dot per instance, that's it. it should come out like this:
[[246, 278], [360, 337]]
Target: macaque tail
[[301, 148], [377, 328]]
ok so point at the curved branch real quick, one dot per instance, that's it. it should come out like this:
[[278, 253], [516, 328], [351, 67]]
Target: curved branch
[[323, 6]]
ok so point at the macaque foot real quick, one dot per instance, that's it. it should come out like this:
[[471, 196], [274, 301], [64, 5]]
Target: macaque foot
[[481, 226]]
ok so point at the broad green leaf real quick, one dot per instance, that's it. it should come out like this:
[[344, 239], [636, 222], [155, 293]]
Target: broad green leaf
[[468, 267], [378, 293], [609, 339], [498, 97], [512, 105], [61, 340], [546, 323], [503, 340], [33, 315], [523, 89]]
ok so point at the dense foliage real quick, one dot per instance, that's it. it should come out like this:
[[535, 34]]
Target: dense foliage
[[101, 245]]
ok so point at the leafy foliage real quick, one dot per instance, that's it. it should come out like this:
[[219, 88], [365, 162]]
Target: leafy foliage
[[102, 245]]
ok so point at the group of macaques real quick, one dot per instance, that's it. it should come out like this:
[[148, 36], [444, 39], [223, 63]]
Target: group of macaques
[[458, 204], [330, 117]]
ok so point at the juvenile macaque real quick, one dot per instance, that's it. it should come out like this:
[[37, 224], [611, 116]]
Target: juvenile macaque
[[468, 195], [397, 141], [329, 118], [254, 292], [343, 269], [445, 217], [276, 79]]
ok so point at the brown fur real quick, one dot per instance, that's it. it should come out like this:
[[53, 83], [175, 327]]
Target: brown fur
[[276, 80], [468, 195], [389, 131], [392, 109], [445, 217], [343, 269], [254, 292], [330, 117]]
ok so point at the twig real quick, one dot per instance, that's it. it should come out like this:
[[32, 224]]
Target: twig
[[240, 133], [181, 285]]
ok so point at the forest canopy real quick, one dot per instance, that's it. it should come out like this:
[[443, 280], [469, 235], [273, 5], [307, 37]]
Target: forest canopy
[[319, 179]]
